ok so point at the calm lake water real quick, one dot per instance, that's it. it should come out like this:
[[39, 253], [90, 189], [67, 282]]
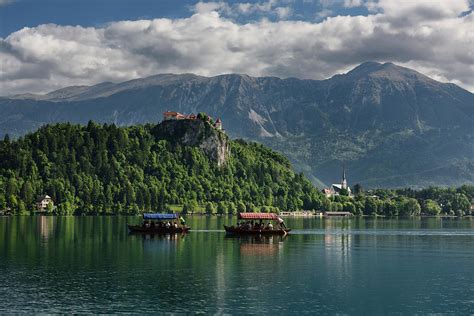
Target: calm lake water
[[349, 266]]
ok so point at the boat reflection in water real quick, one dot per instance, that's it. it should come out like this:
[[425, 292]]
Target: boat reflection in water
[[160, 243], [259, 245], [157, 236]]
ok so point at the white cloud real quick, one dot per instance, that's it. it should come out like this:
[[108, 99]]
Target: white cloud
[[205, 7], [283, 12], [324, 13], [5, 2], [437, 42], [423, 8], [264, 8], [352, 3]]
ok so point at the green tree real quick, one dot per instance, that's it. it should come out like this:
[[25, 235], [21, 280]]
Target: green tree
[[190, 207], [390, 208], [370, 206], [50, 207], [221, 208], [349, 207], [231, 208], [431, 207], [409, 207], [344, 192], [210, 208], [358, 190], [3, 202], [241, 208], [460, 204], [27, 194]]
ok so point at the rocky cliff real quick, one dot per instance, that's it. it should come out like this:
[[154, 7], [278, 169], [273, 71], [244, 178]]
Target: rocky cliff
[[213, 142]]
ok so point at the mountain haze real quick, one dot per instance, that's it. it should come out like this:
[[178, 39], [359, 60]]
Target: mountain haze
[[390, 125]]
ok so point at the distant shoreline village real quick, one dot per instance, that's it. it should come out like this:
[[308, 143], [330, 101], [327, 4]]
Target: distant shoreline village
[[338, 189]]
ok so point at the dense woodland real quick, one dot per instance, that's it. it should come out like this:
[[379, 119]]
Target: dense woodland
[[104, 169]]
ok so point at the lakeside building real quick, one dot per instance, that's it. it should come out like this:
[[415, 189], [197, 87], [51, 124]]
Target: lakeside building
[[336, 188], [338, 214], [43, 201]]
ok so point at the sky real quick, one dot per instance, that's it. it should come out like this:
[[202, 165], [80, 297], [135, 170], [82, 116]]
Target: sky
[[49, 44]]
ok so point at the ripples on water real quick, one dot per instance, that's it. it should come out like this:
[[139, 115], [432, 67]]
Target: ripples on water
[[91, 265]]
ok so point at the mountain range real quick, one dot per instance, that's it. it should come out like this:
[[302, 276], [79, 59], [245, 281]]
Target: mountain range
[[389, 125]]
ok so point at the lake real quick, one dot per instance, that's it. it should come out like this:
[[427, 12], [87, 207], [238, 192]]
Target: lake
[[326, 265]]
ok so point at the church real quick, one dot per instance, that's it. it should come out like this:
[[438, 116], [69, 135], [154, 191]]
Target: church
[[336, 188]]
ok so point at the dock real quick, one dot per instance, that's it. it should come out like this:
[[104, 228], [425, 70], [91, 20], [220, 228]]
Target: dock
[[338, 214]]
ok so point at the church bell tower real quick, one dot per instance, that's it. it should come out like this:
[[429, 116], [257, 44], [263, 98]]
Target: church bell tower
[[344, 180]]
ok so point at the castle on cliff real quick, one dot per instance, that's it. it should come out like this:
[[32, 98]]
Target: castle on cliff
[[171, 115]]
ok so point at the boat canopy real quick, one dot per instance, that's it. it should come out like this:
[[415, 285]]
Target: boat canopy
[[254, 216], [159, 216]]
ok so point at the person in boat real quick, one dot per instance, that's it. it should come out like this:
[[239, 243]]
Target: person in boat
[[175, 225], [281, 222], [152, 224], [182, 221], [258, 225], [167, 225], [269, 226]]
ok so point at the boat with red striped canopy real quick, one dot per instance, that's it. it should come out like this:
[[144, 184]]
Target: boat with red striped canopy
[[253, 224]]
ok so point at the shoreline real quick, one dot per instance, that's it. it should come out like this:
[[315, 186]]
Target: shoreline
[[283, 214]]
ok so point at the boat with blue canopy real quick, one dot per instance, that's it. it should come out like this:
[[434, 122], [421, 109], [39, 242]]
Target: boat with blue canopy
[[158, 223]]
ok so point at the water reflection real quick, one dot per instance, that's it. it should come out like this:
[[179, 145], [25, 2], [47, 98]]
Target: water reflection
[[338, 254], [45, 226], [327, 266], [259, 245]]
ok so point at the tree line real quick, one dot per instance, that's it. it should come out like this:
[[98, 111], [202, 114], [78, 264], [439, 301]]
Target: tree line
[[103, 169], [430, 201]]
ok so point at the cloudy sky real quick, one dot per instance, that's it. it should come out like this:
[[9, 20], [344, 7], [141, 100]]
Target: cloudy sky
[[49, 44]]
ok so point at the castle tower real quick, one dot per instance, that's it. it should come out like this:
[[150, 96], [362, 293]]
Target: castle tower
[[218, 124]]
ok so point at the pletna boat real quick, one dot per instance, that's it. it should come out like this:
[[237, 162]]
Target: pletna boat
[[157, 223], [253, 225]]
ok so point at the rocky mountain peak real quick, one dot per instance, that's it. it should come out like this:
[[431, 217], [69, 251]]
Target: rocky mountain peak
[[386, 71]]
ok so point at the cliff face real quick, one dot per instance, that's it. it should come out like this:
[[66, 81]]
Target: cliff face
[[196, 133]]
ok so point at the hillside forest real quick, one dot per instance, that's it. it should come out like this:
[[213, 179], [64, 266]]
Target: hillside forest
[[102, 169]]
